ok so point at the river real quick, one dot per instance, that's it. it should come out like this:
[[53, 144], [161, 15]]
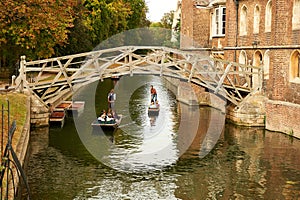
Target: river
[[183, 153]]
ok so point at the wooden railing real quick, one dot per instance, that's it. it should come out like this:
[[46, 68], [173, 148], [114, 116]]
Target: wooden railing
[[58, 78]]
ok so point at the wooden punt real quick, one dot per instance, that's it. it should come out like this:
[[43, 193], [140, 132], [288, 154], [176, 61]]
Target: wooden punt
[[76, 107], [64, 105], [57, 117], [153, 110], [72, 107], [107, 124]]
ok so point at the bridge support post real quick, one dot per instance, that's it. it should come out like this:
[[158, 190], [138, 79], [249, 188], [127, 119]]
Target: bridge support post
[[251, 112], [39, 113], [22, 75]]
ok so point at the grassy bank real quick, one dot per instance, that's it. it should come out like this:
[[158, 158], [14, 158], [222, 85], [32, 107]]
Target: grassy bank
[[18, 110]]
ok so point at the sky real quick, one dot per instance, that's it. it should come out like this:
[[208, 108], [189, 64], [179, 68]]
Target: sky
[[157, 8]]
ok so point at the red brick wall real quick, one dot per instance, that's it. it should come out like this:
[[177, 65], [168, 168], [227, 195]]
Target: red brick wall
[[278, 87], [201, 27], [283, 117], [186, 39], [196, 25]]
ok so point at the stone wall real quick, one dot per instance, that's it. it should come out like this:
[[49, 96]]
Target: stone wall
[[192, 94], [284, 117], [39, 113], [251, 112]]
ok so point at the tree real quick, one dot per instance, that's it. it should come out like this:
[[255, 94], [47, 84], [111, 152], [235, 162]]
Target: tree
[[44, 28], [167, 20], [137, 17], [106, 18], [35, 26]]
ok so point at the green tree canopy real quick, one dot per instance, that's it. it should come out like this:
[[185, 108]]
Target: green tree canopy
[[44, 28], [35, 26]]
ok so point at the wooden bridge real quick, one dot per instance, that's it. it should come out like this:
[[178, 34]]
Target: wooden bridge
[[58, 78]]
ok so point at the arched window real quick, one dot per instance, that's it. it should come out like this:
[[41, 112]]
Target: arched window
[[256, 19], [243, 60], [243, 57], [295, 66], [296, 15], [257, 61], [266, 64], [243, 21], [268, 16]]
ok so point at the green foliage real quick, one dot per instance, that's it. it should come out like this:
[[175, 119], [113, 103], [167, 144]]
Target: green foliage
[[35, 27], [41, 29], [109, 17], [137, 17], [167, 20], [156, 25]]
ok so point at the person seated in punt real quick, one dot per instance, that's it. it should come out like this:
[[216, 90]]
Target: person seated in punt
[[106, 117], [110, 117], [103, 116]]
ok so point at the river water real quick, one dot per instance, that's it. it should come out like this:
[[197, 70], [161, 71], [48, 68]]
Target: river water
[[183, 153]]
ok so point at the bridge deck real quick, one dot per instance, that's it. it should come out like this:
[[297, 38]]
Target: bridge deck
[[58, 78]]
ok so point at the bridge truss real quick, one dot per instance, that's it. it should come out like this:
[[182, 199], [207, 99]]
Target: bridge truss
[[58, 78]]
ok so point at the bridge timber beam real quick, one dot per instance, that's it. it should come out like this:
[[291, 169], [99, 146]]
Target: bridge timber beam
[[58, 78]]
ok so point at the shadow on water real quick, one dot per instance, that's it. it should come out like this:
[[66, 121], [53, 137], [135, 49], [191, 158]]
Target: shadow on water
[[221, 161]]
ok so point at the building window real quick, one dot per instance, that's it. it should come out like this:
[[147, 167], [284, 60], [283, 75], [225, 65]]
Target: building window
[[256, 20], [243, 21], [296, 15], [268, 16], [243, 58], [219, 21], [295, 67], [266, 64]]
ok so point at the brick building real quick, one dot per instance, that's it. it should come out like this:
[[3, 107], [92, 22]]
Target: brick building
[[254, 32]]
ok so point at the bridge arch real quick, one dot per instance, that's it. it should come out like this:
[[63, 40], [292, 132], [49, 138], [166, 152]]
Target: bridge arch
[[58, 78]]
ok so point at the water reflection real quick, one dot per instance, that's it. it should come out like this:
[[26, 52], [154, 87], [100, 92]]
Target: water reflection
[[220, 162]]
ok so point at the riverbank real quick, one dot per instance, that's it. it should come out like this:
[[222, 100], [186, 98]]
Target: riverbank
[[16, 107]]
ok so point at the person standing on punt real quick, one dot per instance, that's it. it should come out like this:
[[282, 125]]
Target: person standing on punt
[[111, 100], [153, 94]]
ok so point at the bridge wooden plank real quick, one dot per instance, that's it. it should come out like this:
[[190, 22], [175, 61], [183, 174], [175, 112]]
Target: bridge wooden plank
[[161, 61]]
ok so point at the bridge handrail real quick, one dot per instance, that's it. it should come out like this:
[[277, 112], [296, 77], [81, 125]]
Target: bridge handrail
[[190, 66]]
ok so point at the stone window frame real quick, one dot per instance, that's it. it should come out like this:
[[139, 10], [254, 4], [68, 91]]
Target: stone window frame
[[243, 20], [256, 19], [268, 16], [257, 61], [294, 75], [266, 64], [219, 21], [243, 58], [296, 15]]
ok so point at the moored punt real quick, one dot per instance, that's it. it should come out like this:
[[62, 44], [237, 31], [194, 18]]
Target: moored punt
[[76, 107], [116, 77], [64, 105], [72, 107], [57, 117]]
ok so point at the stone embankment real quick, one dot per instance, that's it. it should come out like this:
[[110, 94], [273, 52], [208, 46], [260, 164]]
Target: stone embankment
[[251, 112]]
